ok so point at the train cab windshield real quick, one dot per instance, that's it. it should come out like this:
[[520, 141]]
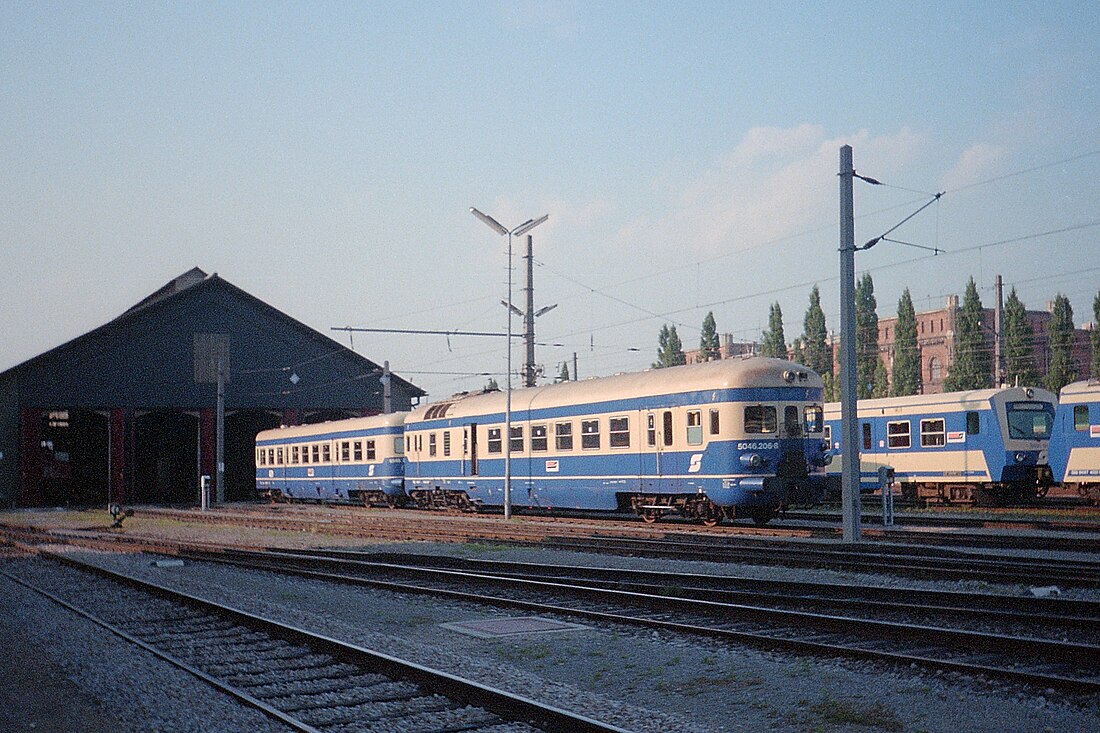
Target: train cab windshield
[[1030, 420]]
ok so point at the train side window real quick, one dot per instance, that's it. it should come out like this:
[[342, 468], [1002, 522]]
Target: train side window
[[829, 434], [1081, 417], [651, 430], [271, 456], [261, 454], [590, 433], [973, 423], [714, 422], [815, 419], [667, 427], [371, 453], [305, 454], [538, 438], [316, 453], [397, 447], [357, 453], [326, 453], [279, 456], [345, 451], [695, 427], [898, 434], [446, 442], [431, 444], [563, 435], [494, 442], [618, 432], [866, 436], [760, 419], [932, 433], [517, 440], [408, 448]]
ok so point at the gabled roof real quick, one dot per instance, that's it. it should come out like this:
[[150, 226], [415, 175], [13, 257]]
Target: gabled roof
[[193, 283]]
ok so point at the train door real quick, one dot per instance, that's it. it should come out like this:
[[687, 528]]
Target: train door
[[868, 452], [469, 450], [650, 452]]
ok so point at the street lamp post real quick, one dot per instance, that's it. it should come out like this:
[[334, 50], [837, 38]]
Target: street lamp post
[[502, 230]]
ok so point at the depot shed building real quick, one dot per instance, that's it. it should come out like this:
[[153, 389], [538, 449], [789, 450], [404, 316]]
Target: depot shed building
[[127, 412]]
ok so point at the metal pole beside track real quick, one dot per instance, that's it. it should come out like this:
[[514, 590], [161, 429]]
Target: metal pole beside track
[[849, 448]]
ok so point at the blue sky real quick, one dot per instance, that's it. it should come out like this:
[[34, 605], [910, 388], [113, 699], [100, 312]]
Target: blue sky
[[324, 157]]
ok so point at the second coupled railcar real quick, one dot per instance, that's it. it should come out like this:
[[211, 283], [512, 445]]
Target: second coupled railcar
[[1075, 445], [737, 437], [356, 460], [977, 447]]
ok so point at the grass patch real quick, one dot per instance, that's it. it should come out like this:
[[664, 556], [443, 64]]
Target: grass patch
[[842, 712]]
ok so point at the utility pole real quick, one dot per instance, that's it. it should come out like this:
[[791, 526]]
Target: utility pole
[[574, 366], [849, 447], [219, 458], [529, 317], [387, 391], [998, 333]]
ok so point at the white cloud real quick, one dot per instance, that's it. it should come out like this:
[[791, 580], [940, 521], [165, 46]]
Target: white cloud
[[975, 163], [775, 183]]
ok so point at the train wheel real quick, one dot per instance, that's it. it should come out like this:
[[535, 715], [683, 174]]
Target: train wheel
[[711, 520], [649, 516], [760, 517]]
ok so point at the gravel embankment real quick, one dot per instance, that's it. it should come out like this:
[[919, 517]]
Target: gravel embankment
[[641, 680]]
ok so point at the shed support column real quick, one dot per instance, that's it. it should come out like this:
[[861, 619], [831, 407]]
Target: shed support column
[[30, 458], [116, 456], [290, 417]]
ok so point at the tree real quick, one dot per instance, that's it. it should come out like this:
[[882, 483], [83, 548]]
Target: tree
[[907, 374], [816, 350], [973, 360], [1019, 341], [881, 386], [1061, 370], [670, 350], [708, 340], [867, 357], [798, 352], [773, 342], [563, 375], [1096, 337]]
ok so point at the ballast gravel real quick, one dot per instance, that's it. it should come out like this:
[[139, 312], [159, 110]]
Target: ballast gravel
[[638, 679]]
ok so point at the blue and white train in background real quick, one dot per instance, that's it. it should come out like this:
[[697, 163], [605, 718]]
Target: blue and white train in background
[[1075, 444], [359, 460], [725, 439], [979, 447]]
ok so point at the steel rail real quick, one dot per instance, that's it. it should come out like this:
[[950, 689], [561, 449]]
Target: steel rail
[[507, 706], [929, 638]]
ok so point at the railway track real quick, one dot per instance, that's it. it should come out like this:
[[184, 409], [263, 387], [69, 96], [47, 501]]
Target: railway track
[[306, 681], [711, 613], [902, 560]]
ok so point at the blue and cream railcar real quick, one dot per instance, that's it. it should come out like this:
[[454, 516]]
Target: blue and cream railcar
[[976, 447], [737, 437], [347, 461], [1075, 445]]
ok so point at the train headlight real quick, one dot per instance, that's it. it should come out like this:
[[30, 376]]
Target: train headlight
[[752, 460], [1020, 457]]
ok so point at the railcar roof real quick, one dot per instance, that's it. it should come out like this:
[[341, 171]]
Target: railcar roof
[[715, 375], [1088, 389], [335, 426], [948, 399]]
